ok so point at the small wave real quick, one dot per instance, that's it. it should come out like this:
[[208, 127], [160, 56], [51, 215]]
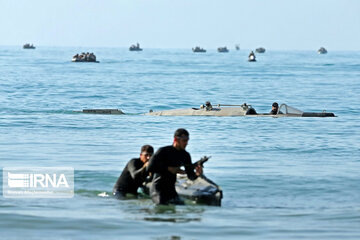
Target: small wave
[[36, 112], [91, 193], [103, 194]]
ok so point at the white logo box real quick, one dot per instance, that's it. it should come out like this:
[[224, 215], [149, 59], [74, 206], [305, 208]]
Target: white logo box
[[38, 182]]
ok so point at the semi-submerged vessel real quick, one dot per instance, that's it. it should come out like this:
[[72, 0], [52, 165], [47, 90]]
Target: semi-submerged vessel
[[238, 110], [113, 111], [219, 110]]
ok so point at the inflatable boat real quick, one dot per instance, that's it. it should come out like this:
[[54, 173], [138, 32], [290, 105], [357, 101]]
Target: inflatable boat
[[200, 191], [83, 60]]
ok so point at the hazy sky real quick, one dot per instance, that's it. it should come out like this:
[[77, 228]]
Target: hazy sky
[[273, 24]]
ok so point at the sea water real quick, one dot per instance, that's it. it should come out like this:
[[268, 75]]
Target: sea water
[[282, 178]]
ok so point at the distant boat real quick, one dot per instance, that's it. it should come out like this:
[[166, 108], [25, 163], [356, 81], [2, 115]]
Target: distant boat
[[135, 47], [198, 49], [223, 49], [237, 47], [84, 57], [260, 50], [322, 50], [28, 46], [252, 57]]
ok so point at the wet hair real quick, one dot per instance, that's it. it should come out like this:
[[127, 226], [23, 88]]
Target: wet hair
[[180, 132], [275, 104], [147, 148]]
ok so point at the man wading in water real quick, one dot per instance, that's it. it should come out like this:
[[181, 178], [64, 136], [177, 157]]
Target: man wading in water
[[165, 164], [134, 174]]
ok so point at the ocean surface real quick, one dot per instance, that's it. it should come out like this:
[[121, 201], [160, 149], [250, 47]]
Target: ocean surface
[[282, 178]]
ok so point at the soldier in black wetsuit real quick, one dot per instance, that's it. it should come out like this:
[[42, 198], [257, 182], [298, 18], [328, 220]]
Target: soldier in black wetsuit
[[275, 108], [134, 174], [164, 166], [208, 106]]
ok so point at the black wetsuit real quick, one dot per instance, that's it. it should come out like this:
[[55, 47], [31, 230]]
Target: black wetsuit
[[162, 190], [272, 112], [131, 178]]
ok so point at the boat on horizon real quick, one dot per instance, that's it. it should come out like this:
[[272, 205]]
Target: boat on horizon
[[84, 57], [252, 57], [223, 50], [28, 46], [198, 49], [260, 50], [322, 50], [135, 47]]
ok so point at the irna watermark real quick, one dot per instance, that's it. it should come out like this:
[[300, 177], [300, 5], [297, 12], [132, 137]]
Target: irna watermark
[[40, 182]]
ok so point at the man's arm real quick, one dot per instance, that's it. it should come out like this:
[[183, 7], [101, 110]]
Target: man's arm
[[137, 173], [189, 168], [175, 170]]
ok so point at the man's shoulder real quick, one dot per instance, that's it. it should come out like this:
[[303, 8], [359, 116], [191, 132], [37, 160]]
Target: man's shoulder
[[134, 160], [187, 154], [165, 149]]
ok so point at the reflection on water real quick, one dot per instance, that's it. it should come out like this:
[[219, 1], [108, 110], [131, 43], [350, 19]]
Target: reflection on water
[[172, 213], [139, 207], [175, 220]]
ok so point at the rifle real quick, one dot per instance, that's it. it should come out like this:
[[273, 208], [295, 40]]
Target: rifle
[[201, 161]]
